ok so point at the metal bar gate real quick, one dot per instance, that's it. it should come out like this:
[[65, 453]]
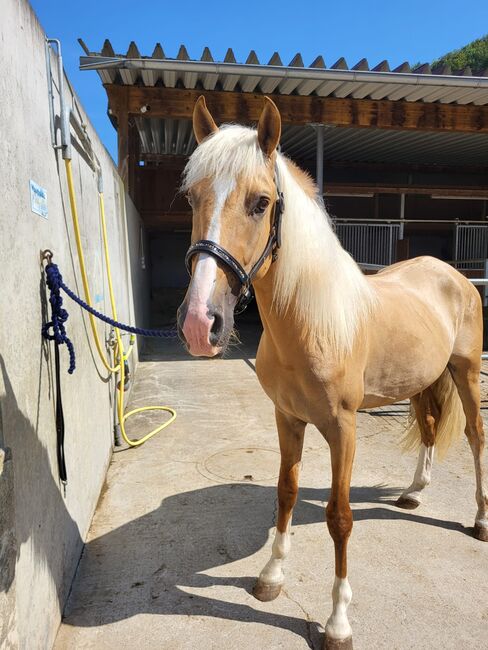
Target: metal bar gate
[[470, 246], [369, 243]]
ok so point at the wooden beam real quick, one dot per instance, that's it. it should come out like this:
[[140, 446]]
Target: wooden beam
[[172, 161], [154, 221], [371, 188], [165, 160], [177, 103], [482, 170], [178, 217]]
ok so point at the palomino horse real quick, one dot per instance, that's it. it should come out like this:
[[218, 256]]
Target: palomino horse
[[334, 340]]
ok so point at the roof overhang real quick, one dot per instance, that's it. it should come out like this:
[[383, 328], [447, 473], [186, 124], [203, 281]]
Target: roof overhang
[[400, 116], [420, 84], [363, 83]]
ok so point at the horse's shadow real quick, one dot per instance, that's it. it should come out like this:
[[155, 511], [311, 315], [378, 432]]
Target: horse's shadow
[[152, 563]]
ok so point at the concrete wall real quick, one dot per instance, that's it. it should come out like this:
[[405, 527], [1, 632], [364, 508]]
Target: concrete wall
[[42, 528], [140, 264]]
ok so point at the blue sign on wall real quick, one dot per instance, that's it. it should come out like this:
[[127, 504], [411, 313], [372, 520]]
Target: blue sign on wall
[[38, 199]]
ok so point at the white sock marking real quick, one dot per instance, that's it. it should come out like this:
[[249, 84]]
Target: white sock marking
[[337, 626], [422, 474], [273, 571]]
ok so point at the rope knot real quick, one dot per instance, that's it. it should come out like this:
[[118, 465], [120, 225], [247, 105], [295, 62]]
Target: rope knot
[[59, 315]]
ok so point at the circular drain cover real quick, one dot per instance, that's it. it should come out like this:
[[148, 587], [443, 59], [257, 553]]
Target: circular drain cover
[[246, 464]]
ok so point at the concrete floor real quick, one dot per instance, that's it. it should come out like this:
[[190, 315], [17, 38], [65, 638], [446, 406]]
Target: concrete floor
[[186, 521]]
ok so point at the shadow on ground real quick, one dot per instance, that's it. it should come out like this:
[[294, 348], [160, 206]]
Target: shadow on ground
[[147, 565]]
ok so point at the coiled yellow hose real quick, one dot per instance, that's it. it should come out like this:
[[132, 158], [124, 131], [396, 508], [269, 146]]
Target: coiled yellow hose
[[119, 353]]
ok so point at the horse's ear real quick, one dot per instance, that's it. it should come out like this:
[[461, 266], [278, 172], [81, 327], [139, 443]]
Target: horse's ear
[[269, 127], [203, 123]]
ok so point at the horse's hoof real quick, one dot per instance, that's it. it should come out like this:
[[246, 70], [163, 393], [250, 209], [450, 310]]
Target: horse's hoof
[[337, 644], [480, 532], [265, 593], [407, 503]]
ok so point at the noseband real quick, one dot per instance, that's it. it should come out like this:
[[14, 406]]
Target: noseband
[[245, 279]]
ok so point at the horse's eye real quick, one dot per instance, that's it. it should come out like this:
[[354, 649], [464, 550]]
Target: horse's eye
[[261, 205]]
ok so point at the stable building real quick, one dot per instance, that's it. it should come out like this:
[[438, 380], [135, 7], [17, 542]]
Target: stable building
[[401, 156]]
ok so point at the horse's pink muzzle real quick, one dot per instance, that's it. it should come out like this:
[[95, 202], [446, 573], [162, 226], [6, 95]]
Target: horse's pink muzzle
[[199, 329]]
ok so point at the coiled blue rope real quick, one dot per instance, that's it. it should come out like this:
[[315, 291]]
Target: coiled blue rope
[[54, 281], [59, 315]]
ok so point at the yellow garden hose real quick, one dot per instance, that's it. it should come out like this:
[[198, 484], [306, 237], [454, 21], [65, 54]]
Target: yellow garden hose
[[119, 354], [81, 259]]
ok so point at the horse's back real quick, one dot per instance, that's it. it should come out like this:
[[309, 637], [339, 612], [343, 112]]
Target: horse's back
[[431, 281], [417, 267]]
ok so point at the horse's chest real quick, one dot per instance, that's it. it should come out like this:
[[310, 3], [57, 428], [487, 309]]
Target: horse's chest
[[294, 390], [287, 398]]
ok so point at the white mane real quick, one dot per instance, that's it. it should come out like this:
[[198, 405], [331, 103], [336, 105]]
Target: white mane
[[314, 276]]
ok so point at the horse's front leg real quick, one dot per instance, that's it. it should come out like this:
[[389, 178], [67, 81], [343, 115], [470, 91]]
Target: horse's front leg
[[291, 432], [341, 436]]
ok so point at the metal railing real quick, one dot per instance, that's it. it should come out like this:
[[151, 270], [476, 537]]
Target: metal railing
[[374, 242], [369, 243], [470, 246], [483, 282]]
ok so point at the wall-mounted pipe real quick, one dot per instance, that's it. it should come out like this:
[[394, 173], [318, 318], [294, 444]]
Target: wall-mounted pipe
[[67, 116], [64, 113]]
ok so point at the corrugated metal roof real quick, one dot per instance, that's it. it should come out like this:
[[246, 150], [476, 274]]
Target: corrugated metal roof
[[352, 144], [360, 81], [348, 144], [421, 84]]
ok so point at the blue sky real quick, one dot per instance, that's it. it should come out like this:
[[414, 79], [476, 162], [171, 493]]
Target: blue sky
[[413, 31]]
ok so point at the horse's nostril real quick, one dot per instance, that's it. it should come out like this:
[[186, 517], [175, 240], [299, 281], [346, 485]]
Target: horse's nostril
[[216, 329]]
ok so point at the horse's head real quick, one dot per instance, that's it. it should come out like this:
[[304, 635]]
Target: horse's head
[[230, 183]]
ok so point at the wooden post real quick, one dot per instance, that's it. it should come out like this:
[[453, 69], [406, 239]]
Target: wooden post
[[320, 159], [119, 107], [133, 155]]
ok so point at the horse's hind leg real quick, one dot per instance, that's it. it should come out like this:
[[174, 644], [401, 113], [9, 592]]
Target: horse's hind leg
[[290, 432], [427, 414], [465, 373]]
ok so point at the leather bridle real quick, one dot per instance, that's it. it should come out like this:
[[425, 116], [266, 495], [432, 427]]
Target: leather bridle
[[245, 279]]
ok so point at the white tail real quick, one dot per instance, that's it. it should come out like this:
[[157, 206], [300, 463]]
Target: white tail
[[451, 423]]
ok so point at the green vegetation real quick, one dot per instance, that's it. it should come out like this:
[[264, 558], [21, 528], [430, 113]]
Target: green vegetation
[[474, 55]]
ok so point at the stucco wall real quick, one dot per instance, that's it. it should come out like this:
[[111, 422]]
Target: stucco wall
[[42, 527]]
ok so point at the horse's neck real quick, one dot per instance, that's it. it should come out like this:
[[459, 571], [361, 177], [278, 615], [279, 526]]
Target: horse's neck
[[315, 290], [282, 329]]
